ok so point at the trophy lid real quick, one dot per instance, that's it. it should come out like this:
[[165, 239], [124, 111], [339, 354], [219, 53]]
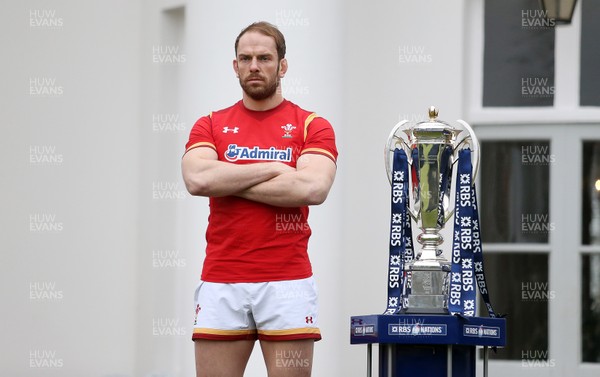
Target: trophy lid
[[433, 113], [434, 129]]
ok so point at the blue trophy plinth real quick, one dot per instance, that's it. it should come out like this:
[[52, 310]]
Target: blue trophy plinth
[[427, 345]]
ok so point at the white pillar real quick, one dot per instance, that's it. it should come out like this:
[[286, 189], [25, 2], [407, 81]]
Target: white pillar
[[313, 32], [401, 57]]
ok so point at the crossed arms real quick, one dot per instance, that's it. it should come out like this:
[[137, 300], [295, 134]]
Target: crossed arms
[[272, 183]]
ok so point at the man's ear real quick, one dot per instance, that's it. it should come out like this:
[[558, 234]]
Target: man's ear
[[235, 68], [283, 67]]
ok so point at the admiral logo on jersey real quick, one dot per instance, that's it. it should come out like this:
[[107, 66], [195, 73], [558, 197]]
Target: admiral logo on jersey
[[235, 153]]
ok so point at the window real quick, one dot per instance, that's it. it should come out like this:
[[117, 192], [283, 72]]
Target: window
[[515, 210], [589, 78], [518, 67], [590, 262], [518, 285], [515, 179]]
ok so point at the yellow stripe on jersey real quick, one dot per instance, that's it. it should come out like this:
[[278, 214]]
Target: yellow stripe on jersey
[[223, 332], [307, 122], [303, 330], [201, 144], [319, 151]]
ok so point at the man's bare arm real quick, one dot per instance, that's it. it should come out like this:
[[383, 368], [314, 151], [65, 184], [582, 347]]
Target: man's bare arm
[[204, 175], [309, 184]]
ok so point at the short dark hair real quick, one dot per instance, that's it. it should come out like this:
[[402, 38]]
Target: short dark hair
[[269, 30]]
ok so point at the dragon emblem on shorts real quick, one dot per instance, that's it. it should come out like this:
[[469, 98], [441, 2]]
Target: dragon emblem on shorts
[[198, 308]]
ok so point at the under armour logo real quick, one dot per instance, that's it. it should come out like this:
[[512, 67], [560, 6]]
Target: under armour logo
[[227, 129], [309, 320]]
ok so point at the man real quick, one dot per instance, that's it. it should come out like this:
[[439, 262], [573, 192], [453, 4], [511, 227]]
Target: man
[[262, 162]]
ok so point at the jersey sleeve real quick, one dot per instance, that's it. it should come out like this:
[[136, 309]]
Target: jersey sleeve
[[201, 135], [319, 138]]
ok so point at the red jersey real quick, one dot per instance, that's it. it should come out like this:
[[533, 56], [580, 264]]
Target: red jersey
[[249, 241]]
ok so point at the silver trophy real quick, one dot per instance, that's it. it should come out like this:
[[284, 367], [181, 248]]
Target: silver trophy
[[437, 144]]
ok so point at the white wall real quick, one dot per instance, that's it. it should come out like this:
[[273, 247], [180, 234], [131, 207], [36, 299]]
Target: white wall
[[400, 58], [129, 251], [163, 330], [69, 163]]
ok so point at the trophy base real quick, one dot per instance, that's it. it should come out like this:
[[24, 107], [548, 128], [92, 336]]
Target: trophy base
[[429, 290]]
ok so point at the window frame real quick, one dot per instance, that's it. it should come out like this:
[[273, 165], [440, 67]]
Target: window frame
[[566, 125], [564, 252]]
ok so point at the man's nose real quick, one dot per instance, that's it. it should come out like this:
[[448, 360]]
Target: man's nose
[[254, 64]]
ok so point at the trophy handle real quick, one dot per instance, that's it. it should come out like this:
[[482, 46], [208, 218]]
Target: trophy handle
[[469, 140], [395, 140], [473, 142], [399, 138]]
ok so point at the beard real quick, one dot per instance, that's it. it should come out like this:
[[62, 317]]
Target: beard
[[266, 89]]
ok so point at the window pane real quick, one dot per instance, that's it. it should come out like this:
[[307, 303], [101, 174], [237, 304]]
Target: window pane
[[515, 191], [518, 66], [590, 195], [589, 78], [590, 264], [590, 308], [524, 295]]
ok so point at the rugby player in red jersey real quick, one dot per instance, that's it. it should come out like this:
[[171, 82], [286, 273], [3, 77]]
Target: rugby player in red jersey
[[261, 162]]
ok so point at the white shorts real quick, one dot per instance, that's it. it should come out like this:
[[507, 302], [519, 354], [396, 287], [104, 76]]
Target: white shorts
[[278, 310]]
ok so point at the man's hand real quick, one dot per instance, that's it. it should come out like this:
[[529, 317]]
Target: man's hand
[[204, 175], [273, 183], [308, 184]]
